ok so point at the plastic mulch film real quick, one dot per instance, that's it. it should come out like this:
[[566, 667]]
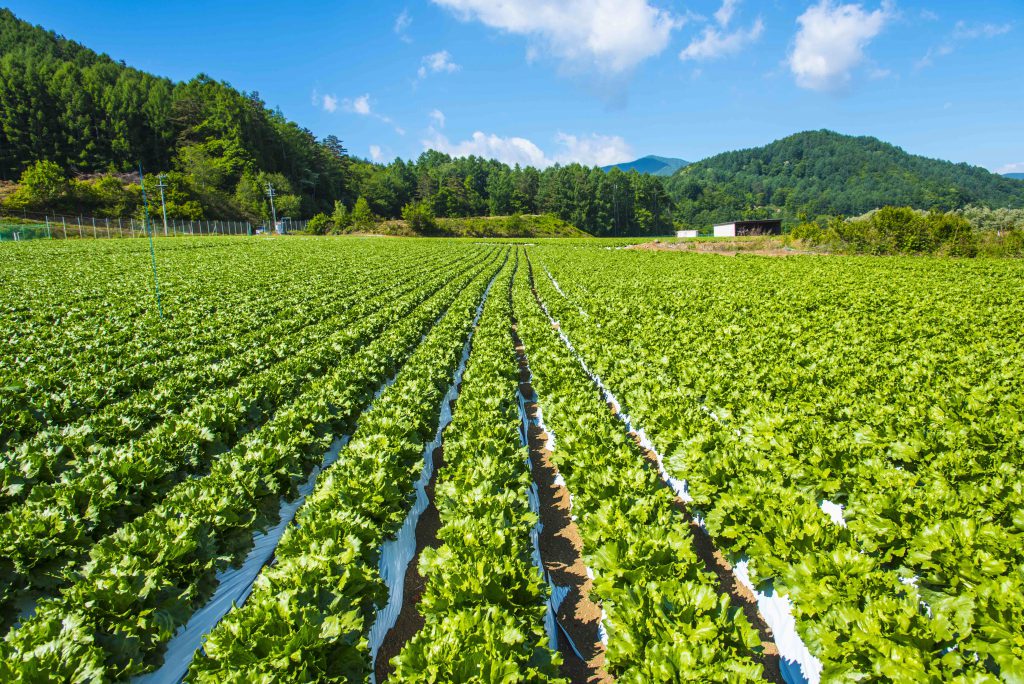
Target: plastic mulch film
[[397, 553], [233, 585]]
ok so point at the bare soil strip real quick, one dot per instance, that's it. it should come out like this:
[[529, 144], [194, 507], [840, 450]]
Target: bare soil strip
[[410, 621], [714, 560], [561, 548]]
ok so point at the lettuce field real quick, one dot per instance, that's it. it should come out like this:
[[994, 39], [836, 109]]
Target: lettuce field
[[368, 460]]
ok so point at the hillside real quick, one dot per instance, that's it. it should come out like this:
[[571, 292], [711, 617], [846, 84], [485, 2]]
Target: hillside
[[822, 172], [656, 166], [64, 103], [1015, 176]]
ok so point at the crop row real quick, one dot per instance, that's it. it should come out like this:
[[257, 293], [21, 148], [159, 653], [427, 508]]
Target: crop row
[[242, 372], [61, 388], [753, 404], [484, 603], [143, 581], [665, 618], [310, 613], [46, 538]]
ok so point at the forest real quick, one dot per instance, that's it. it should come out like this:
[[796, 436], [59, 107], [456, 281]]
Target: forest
[[75, 127]]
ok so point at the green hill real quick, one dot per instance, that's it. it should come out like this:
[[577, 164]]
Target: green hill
[[823, 172], [656, 166], [64, 103], [1015, 176]]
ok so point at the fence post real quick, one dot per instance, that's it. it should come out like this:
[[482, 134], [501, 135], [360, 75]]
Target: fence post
[[120, 230], [94, 228], [64, 225], [48, 234]]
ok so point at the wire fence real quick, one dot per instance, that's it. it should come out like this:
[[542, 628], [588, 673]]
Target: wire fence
[[28, 226]]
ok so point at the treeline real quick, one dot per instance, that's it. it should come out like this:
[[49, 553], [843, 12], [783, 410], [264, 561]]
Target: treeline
[[972, 232]]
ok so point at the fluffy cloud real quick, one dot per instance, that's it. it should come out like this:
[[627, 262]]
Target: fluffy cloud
[[1017, 167], [375, 152], [831, 40], [591, 150], [716, 41], [437, 116], [330, 103], [612, 36], [438, 62], [360, 105]]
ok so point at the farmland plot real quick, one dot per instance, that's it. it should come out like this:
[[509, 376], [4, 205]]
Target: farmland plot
[[428, 461]]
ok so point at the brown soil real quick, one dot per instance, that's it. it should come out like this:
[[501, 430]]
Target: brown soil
[[561, 548], [773, 247], [409, 619]]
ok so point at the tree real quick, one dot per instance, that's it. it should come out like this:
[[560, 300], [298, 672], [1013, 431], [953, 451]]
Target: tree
[[419, 217], [42, 185], [362, 217]]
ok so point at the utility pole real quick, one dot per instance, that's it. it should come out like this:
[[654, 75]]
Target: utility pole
[[162, 183], [273, 211]]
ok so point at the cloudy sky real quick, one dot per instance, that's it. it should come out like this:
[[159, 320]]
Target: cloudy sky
[[595, 81]]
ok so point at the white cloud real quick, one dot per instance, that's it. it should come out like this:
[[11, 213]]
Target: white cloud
[[713, 43], [360, 105], [724, 14], [437, 116], [375, 152], [612, 36], [962, 33], [1016, 167], [831, 40], [438, 62], [965, 31], [330, 103], [591, 150], [402, 23]]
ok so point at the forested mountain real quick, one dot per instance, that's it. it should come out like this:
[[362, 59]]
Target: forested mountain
[[1015, 176], [75, 124], [656, 166], [64, 103], [822, 172]]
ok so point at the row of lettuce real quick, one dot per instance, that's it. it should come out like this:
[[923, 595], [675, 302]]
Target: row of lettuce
[[80, 491], [116, 611], [891, 389]]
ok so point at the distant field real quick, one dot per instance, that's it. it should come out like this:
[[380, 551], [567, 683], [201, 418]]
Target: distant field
[[555, 458]]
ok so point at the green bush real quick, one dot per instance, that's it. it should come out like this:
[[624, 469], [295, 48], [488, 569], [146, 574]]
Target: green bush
[[419, 217]]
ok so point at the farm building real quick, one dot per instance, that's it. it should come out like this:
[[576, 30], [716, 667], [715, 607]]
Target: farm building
[[741, 228], [686, 233]]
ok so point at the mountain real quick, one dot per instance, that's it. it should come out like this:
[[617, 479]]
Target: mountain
[[822, 172], [656, 166], [1015, 176], [64, 103]]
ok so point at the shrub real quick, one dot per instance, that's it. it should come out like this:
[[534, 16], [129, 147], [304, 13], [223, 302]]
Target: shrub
[[419, 217]]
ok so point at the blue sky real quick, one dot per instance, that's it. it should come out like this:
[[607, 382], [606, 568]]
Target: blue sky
[[596, 81]]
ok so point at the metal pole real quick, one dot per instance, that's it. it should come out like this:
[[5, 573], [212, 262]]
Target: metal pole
[[64, 224], [48, 234], [120, 230], [94, 235], [149, 231], [108, 227], [273, 211], [163, 204]]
